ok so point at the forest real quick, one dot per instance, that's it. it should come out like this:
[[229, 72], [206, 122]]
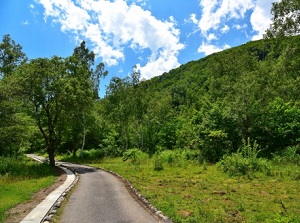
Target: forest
[[212, 106]]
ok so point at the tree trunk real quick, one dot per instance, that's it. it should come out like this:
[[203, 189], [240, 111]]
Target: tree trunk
[[51, 156]]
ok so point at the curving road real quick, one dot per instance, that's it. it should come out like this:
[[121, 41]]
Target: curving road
[[102, 198]]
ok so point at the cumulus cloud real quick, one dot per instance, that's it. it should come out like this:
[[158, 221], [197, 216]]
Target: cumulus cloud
[[208, 49], [219, 16], [113, 26], [261, 17], [225, 29], [216, 13]]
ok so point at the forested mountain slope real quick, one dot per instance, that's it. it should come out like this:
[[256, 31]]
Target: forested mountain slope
[[247, 93], [210, 105]]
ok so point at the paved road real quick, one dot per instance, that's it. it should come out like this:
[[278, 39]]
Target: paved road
[[102, 198]]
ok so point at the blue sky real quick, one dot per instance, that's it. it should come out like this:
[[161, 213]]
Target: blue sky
[[155, 35]]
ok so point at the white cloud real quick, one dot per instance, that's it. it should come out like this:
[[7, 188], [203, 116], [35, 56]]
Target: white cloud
[[261, 17], [208, 49], [211, 37], [216, 12], [239, 27], [219, 16], [225, 29], [112, 26], [25, 23], [193, 19]]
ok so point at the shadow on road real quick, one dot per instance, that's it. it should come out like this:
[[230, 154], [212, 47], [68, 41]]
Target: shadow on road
[[81, 169]]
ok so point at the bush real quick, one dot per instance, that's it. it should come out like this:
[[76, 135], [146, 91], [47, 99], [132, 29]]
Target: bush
[[244, 161], [288, 156], [91, 154], [177, 157], [158, 163], [214, 145], [135, 156]]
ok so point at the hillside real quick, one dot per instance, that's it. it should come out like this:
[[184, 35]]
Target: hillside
[[210, 105]]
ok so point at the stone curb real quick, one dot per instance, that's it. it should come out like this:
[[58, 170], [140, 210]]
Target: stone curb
[[44, 211], [53, 209]]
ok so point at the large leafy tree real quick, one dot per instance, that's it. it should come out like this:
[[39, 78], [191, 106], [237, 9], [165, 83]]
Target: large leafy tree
[[60, 91], [83, 85], [41, 83]]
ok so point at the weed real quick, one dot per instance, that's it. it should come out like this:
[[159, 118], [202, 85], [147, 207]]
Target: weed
[[134, 156], [245, 162], [158, 163]]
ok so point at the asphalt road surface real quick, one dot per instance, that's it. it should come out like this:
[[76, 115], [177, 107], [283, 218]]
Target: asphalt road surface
[[102, 198]]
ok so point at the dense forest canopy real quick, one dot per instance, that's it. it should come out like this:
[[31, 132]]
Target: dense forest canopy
[[247, 93]]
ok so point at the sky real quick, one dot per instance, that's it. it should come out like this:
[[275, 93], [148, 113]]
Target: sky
[[153, 35]]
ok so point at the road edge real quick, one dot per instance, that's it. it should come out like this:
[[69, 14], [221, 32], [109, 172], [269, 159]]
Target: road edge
[[44, 211], [139, 196]]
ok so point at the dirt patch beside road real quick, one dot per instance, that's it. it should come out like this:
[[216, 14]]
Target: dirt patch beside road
[[19, 212]]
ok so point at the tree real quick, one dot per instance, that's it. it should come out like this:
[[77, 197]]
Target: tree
[[41, 83], [286, 19], [11, 56], [14, 124], [83, 84], [61, 94]]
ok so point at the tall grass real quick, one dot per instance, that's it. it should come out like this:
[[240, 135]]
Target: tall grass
[[245, 161], [23, 167], [19, 179]]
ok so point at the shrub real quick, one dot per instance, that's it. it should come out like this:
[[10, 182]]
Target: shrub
[[288, 156], [91, 154], [177, 157], [214, 145], [135, 156], [158, 163], [244, 161]]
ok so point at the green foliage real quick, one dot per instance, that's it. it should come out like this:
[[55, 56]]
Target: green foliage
[[158, 164], [134, 156], [23, 167], [91, 154], [11, 56], [207, 106], [177, 157], [57, 93], [285, 19], [214, 146], [288, 156], [245, 161]]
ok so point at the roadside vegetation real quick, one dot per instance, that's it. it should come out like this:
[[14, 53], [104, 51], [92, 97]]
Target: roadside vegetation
[[215, 140], [240, 188], [20, 178]]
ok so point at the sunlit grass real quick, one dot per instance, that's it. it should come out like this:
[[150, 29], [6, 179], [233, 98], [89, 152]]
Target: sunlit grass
[[19, 179], [202, 193]]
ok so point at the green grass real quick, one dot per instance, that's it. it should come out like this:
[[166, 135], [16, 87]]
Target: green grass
[[20, 179], [202, 193]]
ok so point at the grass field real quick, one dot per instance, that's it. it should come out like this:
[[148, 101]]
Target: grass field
[[19, 179], [194, 193], [186, 191]]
